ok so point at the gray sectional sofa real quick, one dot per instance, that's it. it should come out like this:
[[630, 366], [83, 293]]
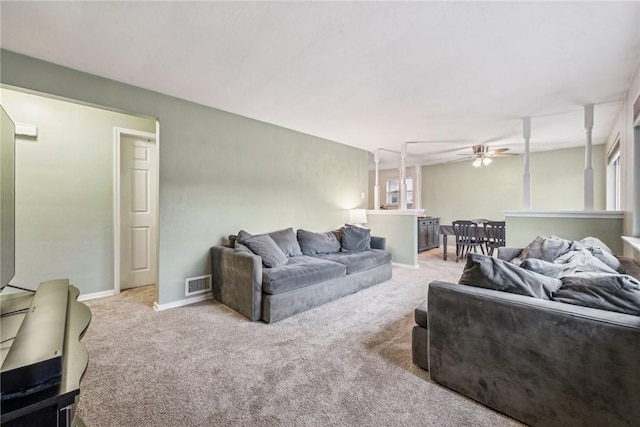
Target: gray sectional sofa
[[276, 275], [538, 360]]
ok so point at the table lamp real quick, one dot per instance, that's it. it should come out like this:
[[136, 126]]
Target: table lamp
[[357, 217]]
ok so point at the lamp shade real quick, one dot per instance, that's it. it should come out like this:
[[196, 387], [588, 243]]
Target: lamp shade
[[357, 216]]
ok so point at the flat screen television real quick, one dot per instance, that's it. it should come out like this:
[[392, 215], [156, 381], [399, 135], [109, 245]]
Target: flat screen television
[[7, 199]]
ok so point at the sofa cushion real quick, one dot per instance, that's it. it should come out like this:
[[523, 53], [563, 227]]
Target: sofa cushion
[[359, 261], [264, 246], [420, 314], [287, 241], [318, 243], [612, 292], [492, 273], [299, 272], [546, 248], [356, 239]]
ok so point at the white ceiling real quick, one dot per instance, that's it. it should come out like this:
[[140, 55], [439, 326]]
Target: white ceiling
[[367, 74]]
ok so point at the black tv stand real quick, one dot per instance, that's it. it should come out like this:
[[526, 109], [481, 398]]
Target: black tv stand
[[44, 361]]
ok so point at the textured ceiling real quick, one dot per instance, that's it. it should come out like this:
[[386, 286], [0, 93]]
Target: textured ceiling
[[367, 74]]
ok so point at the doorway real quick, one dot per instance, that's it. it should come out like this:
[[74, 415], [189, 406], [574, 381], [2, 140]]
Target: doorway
[[136, 209]]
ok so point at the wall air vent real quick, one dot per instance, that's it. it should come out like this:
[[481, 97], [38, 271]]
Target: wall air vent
[[197, 285]]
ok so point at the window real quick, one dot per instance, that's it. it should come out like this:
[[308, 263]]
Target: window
[[613, 178], [393, 191]]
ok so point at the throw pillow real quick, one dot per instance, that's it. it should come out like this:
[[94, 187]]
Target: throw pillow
[[606, 258], [286, 240], [318, 243], [356, 239], [492, 273], [264, 246], [546, 248], [583, 262], [547, 268], [589, 242], [243, 235], [613, 292]]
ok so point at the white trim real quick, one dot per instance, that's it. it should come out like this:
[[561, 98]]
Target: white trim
[[566, 214], [407, 266], [414, 212], [614, 150], [118, 134], [95, 295], [182, 302], [633, 241]]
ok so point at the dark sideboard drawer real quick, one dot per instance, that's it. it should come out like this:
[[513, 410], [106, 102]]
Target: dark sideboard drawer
[[428, 237]]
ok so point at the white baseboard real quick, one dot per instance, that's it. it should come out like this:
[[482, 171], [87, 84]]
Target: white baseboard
[[95, 295], [183, 302], [409, 266]]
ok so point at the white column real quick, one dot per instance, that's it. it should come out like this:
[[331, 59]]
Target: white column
[[634, 202], [588, 169], [417, 187], [403, 177], [376, 187], [526, 178]]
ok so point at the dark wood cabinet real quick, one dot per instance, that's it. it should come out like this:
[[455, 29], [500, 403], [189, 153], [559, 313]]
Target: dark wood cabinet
[[428, 237]]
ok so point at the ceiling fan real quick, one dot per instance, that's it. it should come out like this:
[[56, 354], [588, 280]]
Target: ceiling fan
[[483, 154]]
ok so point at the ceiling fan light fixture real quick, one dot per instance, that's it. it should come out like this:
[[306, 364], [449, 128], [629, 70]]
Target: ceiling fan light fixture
[[486, 161], [477, 162]]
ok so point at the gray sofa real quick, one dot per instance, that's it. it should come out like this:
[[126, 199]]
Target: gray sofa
[[543, 362], [319, 268]]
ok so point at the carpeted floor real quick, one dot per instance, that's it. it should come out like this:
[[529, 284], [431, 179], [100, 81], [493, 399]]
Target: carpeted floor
[[347, 363]]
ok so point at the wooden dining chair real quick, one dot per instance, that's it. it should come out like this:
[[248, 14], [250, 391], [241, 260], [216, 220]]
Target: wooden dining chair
[[494, 235], [468, 235]]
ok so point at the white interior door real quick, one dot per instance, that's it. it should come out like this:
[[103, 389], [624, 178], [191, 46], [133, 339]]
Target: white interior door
[[138, 217]]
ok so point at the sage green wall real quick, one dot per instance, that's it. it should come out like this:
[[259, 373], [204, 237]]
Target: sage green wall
[[64, 190], [522, 230], [629, 136], [219, 172], [401, 232], [459, 191]]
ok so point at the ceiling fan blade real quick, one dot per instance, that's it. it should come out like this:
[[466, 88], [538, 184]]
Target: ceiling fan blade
[[499, 150]]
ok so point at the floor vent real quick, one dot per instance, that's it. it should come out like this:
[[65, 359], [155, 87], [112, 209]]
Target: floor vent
[[197, 285]]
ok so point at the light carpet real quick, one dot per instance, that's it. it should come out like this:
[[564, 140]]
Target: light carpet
[[346, 363]]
